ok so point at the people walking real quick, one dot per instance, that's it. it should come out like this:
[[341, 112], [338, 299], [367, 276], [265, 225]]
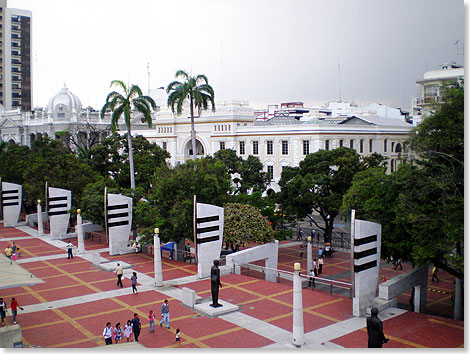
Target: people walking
[[177, 339], [301, 250], [134, 282], [315, 267], [136, 326], [14, 308], [151, 321], [69, 250], [165, 310], [128, 331], [108, 334], [320, 265], [13, 247], [311, 279], [435, 270], [119, 274], [398, 264], [3, 310], [320, 252], [117, 333], [8, 252]]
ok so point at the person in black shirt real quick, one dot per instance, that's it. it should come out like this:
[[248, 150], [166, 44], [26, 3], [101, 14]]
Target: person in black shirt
[[375, 330], [136, 326]]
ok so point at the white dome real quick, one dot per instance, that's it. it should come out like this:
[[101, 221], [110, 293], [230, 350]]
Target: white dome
[[64, 102]]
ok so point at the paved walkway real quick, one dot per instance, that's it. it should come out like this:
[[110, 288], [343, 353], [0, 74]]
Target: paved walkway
[[75, 298]]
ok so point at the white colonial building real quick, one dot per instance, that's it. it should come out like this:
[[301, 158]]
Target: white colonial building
[[64, 116], [279, 141]]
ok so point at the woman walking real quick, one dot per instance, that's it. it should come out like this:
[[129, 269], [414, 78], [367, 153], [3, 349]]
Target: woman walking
[[134, 282], [128, 332], [117, 333], [151, 321]]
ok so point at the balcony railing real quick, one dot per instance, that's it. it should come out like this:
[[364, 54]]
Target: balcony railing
[[429, 100]]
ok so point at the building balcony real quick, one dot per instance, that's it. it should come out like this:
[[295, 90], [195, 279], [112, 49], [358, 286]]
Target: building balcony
[[420, 101]]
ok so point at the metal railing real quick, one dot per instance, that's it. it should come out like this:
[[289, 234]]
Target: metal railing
[[315, 282]]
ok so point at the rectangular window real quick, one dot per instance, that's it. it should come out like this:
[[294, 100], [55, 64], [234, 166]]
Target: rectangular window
[[392, 147], [255, 147], [164, 145], [361, 146], [306, 147], [221, 145], [370, 145], [351, 144], [285, 147], [327, 145], [385, 145], [271, 172], [269, 147], [242, 148], [341, 143]]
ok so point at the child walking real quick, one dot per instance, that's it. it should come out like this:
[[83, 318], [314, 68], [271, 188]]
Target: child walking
[[177, 339], [151, 321]]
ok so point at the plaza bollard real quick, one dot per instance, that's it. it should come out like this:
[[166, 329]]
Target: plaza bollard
[[309, 254], [40, 224], [297, 311], [157, 259]]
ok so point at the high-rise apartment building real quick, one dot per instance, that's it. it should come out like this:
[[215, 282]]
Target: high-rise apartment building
[[15, 58]]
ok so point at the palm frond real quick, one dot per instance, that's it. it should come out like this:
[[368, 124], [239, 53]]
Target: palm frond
[[150, 101], [173, 86], [121, 84], [115, 117], [201, 77], [182, 73], [143, 108], [134, 91]]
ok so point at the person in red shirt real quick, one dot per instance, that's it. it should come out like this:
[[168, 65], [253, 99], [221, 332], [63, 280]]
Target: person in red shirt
[[14, 308]]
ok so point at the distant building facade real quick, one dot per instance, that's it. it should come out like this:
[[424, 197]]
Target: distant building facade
[[63, 117], [278, 142], [15, 56], [429, 89]]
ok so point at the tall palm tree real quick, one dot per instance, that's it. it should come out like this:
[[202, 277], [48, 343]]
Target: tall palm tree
[[122, 105], [199, 93]]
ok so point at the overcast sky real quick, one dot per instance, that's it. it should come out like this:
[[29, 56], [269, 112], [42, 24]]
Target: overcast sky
[[262, 51]]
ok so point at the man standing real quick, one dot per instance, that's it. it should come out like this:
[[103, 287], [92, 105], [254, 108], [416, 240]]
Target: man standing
[[375, 330], [69, 250], [3, 310], [108, 334], [136, 326], [119, 273], [320, 265], [165, 314]]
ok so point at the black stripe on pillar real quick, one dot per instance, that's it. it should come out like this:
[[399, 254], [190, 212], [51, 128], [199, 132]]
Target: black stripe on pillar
[[366, 253], [55, 206], [207, 239], [10, 191], [365, 266], [51, 199], [118, 223], [117, 215], [364, 240], [117, 206], [61, 212], [207, 219], [10, 204], [203, 230], [15, 197]]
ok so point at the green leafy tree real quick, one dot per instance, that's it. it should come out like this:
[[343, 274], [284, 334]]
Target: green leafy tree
[[50, 161], [199, 93], [173, 191], [319, 184], [244, 224], [122, 105], [13, 159]]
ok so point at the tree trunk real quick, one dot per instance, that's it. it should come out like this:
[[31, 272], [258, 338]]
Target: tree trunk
[[458, 300], [193, 132], [131, 157]]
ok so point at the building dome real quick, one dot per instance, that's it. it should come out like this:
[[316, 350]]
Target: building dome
[[64, 104]]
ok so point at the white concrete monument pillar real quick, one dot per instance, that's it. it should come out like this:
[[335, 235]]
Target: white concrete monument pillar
[[297, 310], [309, 254], [79, 228], [157, 259], [40, 222], [12, 196]]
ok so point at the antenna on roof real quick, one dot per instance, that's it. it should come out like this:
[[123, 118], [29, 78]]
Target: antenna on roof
[[339, 80]]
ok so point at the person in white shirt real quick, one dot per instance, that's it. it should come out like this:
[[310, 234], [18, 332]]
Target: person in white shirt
[[69, 250], [108, 334]]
